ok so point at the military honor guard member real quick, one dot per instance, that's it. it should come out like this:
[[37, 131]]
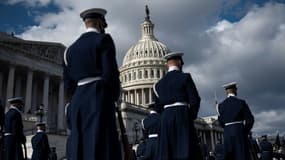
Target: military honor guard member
[[178, 101], [91, 76], [14, 137], [236, 118], [151, 126], [40, 143], [266, 149]]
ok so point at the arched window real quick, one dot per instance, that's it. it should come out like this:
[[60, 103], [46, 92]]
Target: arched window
[[157, 73], [134, 75], [140, 75], [145, 74], [151, 73]]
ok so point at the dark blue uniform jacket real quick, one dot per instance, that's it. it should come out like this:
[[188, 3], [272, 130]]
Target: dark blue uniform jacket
[[92, 55]]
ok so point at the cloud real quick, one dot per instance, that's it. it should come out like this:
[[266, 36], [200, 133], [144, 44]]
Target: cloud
[[251, 52], [124, 17], [61, 27], [270, 122]]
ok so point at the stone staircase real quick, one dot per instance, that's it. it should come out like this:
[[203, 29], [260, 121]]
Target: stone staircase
[[57, 141]]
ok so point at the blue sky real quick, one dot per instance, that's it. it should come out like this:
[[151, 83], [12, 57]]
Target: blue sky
[[237, 11], [223, 41], [17, 17]]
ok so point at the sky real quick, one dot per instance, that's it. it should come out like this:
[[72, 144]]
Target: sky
[[223, 41]]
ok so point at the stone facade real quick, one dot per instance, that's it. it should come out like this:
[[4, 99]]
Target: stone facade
[[33, 70]]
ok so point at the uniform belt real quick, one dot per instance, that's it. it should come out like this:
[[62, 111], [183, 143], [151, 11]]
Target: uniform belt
[[152, 135], [8, 134], [88, 80], [176, 104], [236, 122]]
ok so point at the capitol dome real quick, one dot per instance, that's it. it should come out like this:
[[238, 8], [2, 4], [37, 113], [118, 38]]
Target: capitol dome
[[143, 65]]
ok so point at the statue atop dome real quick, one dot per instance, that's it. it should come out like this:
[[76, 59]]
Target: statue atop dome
[[147, 12]]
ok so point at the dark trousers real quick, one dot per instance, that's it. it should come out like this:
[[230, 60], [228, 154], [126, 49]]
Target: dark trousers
[[93, 124], [236, 143], [1, 148], [151, 149], [178, 139], [13, 148]]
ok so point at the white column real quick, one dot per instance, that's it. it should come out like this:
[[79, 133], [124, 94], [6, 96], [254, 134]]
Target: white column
[[148, 72], [10, 85], [35, 97], [60, 114], [215, 137], [212, 139], [161, 73], [135, 97], [204, 137], [46, 91], [132, 97], [150, 97], [1, 84], [29, 86], [18, 81], [129, 96], [143, 96], [132, 75], [138, 97]]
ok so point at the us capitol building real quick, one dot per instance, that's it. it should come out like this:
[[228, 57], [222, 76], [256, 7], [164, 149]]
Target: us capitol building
[[33, 69], [143, 65]]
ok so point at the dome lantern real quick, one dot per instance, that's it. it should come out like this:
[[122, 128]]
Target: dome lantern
[[147, 26]]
